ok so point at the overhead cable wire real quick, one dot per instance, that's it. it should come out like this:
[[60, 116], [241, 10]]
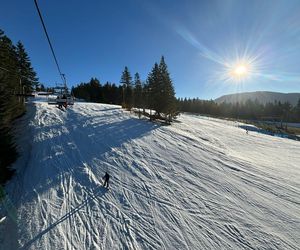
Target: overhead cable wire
[[51, 47], [7, 70]]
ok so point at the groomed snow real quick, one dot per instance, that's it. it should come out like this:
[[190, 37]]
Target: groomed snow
[[201, 183]]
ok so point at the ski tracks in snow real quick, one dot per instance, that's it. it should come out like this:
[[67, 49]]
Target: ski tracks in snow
[[193, 185]]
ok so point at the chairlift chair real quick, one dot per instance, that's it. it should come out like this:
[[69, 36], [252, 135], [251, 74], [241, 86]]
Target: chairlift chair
[[61, 97]]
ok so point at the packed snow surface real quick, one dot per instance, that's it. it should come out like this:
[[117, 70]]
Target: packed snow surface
[[200, 183]]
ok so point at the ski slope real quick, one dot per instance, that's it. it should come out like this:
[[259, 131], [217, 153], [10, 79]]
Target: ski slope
[[201, 183]]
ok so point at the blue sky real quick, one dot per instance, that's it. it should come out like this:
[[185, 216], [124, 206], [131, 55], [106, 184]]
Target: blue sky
[[201, 41]]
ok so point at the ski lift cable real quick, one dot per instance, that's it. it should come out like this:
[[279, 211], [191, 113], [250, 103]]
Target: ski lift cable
[[51, 47], [7, 70]]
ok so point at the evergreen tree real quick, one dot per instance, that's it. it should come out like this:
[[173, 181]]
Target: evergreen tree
[[9, 82], [286, 107], [26, 72], [153, 89], [126, 81], [138, 88], [93, 91], [161, 94], [167, 92], [145, 96], [298, 110], [41, 87], [245, 110], [10, 105]]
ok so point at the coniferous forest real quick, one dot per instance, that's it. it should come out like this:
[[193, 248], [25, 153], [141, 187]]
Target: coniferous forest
[[156, 93], [249, 110], [17, 78]]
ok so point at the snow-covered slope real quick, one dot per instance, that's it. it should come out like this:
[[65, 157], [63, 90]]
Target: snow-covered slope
[[198, 184]]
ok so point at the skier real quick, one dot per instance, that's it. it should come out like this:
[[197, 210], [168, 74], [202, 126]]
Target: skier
[[106, 180]]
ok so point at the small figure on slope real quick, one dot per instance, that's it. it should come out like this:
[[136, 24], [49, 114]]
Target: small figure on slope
[[106, 180], [65, 103]]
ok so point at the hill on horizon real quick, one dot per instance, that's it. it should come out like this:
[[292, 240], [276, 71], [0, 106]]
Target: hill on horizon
[[262, 96]]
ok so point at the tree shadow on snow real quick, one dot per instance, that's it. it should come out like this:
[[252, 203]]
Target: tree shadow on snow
[[96, 135], [76, 143]]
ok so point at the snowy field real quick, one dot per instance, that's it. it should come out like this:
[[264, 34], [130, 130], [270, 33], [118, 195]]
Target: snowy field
[[201, 183]]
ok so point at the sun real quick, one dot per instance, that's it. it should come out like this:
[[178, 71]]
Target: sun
[[239, 71]]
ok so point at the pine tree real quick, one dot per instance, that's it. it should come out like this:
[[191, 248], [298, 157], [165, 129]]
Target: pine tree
[[10, 106], [167, 92], [145, 97], [42, 87], [153, 89], [94, 90], [138, 89], [161, 94], [126, 81], [26, 72], [9, 82], [298, 110]]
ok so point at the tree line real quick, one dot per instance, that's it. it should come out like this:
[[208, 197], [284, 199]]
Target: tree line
[[156, 93], [248, 110], [94, 91], [17, 77]]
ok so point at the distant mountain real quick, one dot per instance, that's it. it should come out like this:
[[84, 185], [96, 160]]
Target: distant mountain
[[262, 96]]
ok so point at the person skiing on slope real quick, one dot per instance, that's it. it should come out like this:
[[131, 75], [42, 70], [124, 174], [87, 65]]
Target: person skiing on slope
[[106, 180]]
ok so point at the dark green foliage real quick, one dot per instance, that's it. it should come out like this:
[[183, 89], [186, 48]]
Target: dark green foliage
[[93, 91], [157, 94], [153, 89], [160, 91], [40, 87], [9, 83], [2, 194], [252, 110], [168, 100], [126, 81], [25, 70], [14, 66], [138, 91], [8, 154], [297, 108]]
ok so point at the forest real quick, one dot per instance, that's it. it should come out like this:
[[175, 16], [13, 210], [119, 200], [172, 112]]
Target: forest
[[249, 110], [156, 93], [17, 78]]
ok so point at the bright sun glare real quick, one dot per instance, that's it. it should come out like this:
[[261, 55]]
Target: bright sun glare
[[239, 71]]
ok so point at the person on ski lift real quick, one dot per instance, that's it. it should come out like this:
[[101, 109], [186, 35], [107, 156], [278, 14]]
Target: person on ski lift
[[65, 103], [106, 180], [59, 105]]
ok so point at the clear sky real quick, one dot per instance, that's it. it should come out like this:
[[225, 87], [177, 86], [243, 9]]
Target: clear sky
[[211, 47]]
